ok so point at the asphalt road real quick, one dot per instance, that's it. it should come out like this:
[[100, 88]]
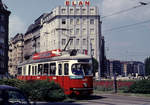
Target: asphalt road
[[106, 99]]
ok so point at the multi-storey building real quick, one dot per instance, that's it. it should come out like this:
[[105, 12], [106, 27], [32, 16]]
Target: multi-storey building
[[32, 38], [15, 53], [81, 23], [4, 21], [126, 68]]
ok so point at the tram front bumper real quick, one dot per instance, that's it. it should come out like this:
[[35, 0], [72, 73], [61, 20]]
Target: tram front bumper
[[81, 89]]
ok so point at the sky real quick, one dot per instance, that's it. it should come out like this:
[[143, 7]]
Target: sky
[[127, 44]]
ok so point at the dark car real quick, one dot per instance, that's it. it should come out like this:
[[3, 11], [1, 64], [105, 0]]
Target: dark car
[[12, 96]]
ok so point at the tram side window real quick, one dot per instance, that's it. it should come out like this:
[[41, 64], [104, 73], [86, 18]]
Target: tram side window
[[24, 70], [35, 70], [60, 69], [32, 70], [40, 68], [29, 70], [52, 68], [66, 68], [45, 69]]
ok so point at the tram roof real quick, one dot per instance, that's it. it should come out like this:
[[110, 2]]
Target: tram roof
[[62, 57]]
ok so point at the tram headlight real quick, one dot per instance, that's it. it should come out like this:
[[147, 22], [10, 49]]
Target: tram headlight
[[85, 84]]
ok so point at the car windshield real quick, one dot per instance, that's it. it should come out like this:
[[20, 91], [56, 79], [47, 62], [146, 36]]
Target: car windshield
[[82, 69], [12, 97]]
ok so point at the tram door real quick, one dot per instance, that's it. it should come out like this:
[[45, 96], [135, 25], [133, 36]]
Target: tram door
[[63, 72]]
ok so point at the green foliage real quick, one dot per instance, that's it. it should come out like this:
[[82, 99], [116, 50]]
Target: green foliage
[[147, 66], [12, 82], [142, 86], [123, 89], [95, 65], [39, 90], [103, 88], [43, 90]]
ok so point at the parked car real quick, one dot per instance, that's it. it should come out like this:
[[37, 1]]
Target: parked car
[[12, 96]]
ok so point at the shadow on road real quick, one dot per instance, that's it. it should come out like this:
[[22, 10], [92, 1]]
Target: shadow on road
[[91, 97], [75, 99]]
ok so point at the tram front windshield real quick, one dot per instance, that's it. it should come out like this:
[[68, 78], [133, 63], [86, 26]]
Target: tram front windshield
[[82, 69]]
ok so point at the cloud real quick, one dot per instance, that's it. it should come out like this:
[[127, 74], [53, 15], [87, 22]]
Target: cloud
[[16, 25]]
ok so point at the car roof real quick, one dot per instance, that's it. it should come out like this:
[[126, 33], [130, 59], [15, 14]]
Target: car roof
[[7, 87]]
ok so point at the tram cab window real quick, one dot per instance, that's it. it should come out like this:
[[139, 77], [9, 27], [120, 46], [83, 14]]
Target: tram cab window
[[45, 69], [60, 69], [81, 69], [66, 68], [52, 68], [40, 68]]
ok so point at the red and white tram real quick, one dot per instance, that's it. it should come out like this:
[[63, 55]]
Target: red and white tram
[[73, 72]]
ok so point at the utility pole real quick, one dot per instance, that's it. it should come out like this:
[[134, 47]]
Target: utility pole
[[115, 82]]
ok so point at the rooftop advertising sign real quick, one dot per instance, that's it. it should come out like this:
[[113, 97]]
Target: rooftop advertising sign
[[77, 3]]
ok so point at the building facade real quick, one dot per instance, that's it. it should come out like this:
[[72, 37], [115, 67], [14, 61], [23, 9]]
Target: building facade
[[4, 22], [126, 68], [81, 23], [32, 38], [15, 53]]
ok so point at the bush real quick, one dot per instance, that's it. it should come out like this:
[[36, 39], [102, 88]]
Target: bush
[[43, 90], [39, 90], [142, 86], [103, 88], [12, 82]]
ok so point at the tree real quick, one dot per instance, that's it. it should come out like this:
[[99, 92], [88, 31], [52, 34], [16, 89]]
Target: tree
[[147, 66], [95, 65]]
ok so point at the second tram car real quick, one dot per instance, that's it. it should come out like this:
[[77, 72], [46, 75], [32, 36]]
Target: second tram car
[[72, 72]]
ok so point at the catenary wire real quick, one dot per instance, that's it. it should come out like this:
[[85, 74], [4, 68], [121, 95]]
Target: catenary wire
[[125, 10], [126, 26]]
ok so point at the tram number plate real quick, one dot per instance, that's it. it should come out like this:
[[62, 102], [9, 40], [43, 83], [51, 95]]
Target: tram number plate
[[54, 78]]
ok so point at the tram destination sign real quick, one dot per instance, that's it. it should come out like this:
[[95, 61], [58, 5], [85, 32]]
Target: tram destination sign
[[47, 54], [77, 3]]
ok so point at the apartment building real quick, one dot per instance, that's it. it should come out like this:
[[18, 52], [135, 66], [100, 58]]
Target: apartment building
[[4, 22], [81, 23], [15, 53]]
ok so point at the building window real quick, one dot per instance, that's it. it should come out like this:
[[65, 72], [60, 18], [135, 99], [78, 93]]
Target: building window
[[71, 21], [83, 11], [2, 52], [2, 29], [63, 11], [63, 41], [92, 52], [83, 31], [2, 17], [84, 21], [91, 21], [1, 40], [92, 31], [77, 31], [77, 41], [84, 41], [77, 11], [71, 31], [78, 21], [92, 11], [63, 21], [92, 41], [71, 11], [71, 42]]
